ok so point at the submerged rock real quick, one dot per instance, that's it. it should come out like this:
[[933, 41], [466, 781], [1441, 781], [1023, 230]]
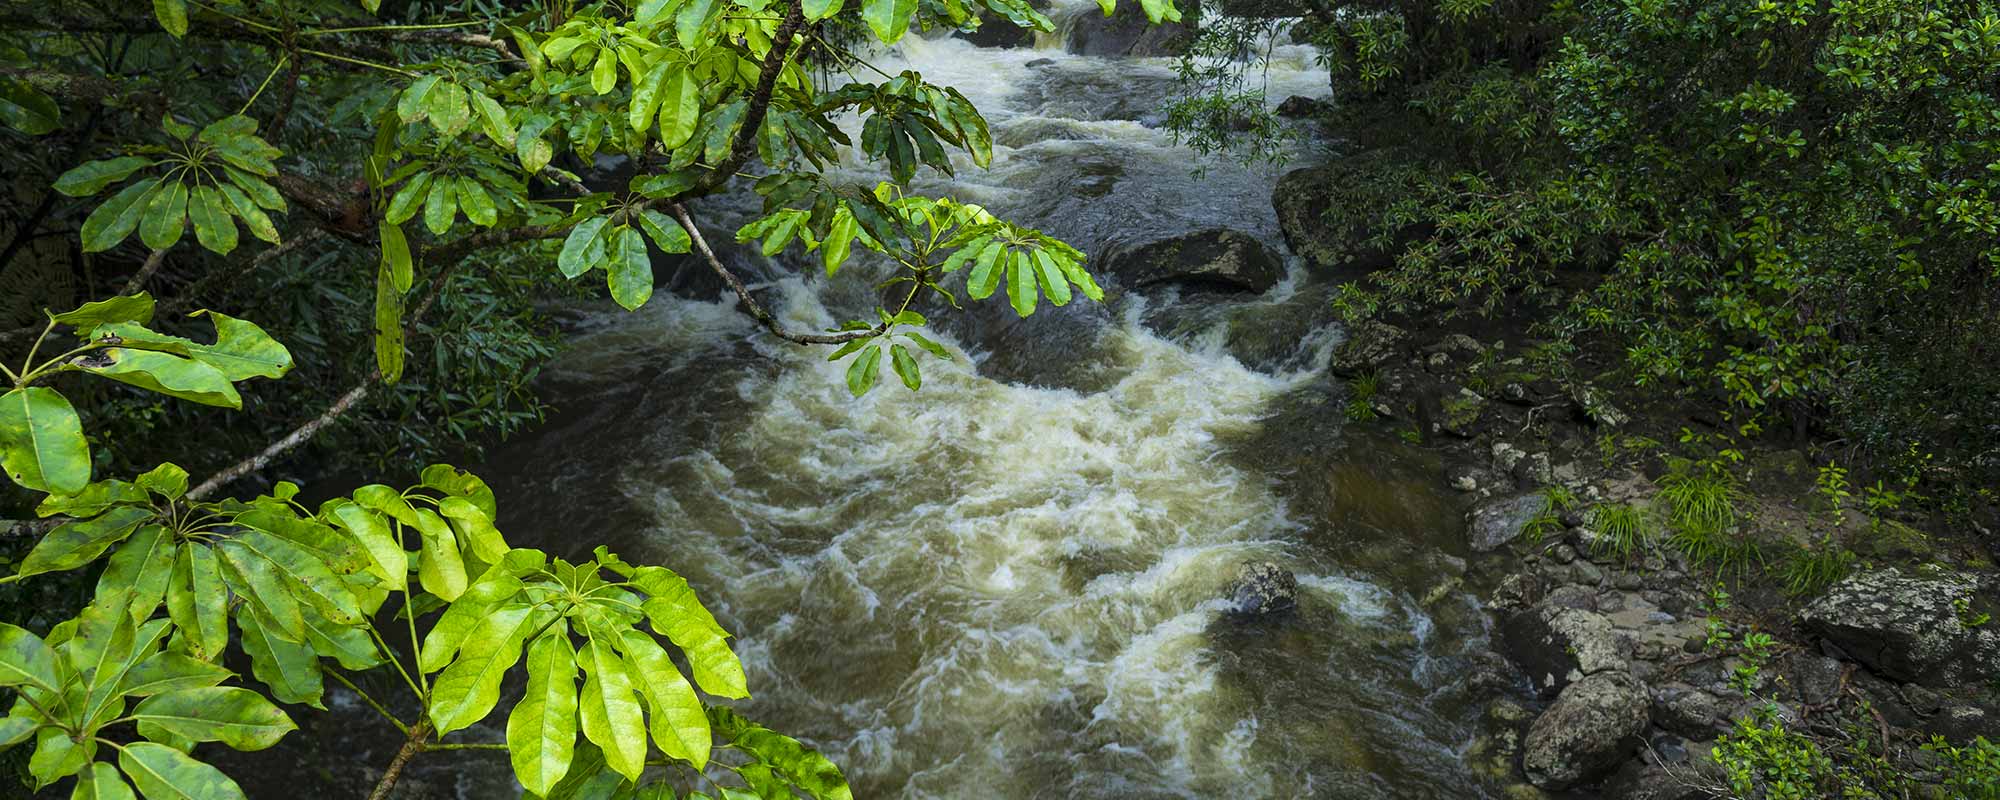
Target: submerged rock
[[1590, 728], [1496, 522], [1217, 258], [1907, 627], [1299, 106], [1263, 587], [1557, 645]]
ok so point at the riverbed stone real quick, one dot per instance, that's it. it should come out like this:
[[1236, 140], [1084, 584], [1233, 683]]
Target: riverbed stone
[[1263, 587], [1557, 645], [1368, 345], [1494, 523], [1217, 258], [1127, 32], [1905, 627], [1590, 728], [1688, 711]]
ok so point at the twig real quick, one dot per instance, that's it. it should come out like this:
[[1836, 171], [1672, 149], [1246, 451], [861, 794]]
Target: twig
[[291, 440], [412, 745], [750, 303], [145, 272]]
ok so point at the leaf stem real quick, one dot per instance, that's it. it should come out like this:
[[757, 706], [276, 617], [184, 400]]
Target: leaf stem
[[465, 746], [366, 28], [335, 674], [27, 364], [282, 61], [358, 62]]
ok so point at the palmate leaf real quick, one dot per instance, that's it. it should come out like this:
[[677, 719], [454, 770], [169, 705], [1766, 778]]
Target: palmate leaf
[[142, 568], [289, 669], [75, 544], [26, 660], [630, 270], [468, 689], [679, 724], [677, 614], [166, 374], [91, 177], [609, 709], [198, 601], [116, 218], [101, 782], [164, 773]]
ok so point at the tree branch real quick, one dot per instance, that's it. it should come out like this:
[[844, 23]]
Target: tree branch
[[756, 309], [759, 104], [412, 745]]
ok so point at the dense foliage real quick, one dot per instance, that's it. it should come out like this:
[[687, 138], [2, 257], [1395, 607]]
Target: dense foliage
[[433, 158], [1788, 206]]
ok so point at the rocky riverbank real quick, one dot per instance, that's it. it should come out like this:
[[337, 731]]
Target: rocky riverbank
[[1639, 632]]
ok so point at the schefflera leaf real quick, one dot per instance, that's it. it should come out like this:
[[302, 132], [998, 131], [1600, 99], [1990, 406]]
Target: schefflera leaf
[[41, 441], [541, 730]]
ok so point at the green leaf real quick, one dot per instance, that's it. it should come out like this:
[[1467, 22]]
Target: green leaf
[[440, 568], [242, 350], [142, 566], [404, 203], [57, 755], [680, 105], [213, 227], [388, 324], [163, 773], [679, 724], [441, 205], [541, 730], [666, 233], [173, 16], [133, 308], [817, 10], [529, 146], [475, 530], [100, 782], [348, 644], [493, 589], [396, 256], [414, 103], [889, 19], [170, 672], [986, 271], [932, 347], [289, 669], [75, 544], [468, 689], [166, 217], [646, 95], [477, 204], [631, 271], [493, 119], [26, 660], [1051, 279], [390, 561], [166, 480], [91, 177], [862, 370], [253, 215], [27, 110], [111, 222], [166, 374], [610, 711], [447, 109], [41, 441], [299, 568], [263, 194], [454, 481], [234, 716], [906, 367], [583, 248], [198, 602], [1021, 284], [604, 76], [263, 584], [691, 25], [839, 241]]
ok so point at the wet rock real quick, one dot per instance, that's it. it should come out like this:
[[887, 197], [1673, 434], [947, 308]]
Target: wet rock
[[1040, 62], [1494, 523], [1127, 32], [1463, 413], [1300, 106], [1557, 646], [1217, 258], [1263, 587], [1688, 711], [1906, 628], [1647, 779], [1308, 204], [1511, 594], [1816, 677], [1369, 344], [1595, 405], [995, 31], [1590, 728], [1570, 595]]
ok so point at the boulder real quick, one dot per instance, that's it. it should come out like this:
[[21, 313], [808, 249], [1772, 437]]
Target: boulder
[[1217, 258], [1586, 732], [1688, 711], [996, 31], [1127, 32], [1494, 523], [1262, 587], [1595, 405], [1462, 414], [1906, 627], [1557, 645], [1309, 201], [1300, 106], [1369, 344]]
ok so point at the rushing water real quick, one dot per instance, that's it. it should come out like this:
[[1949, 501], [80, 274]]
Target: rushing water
[[1010, 584]]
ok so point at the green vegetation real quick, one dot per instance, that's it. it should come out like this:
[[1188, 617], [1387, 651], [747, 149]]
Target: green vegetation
[[1787, 206], [397, 192], [1763, 758], [1623, 530]]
